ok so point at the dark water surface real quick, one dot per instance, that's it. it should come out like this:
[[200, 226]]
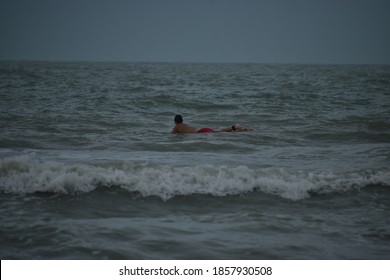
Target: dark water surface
[[89, 169]]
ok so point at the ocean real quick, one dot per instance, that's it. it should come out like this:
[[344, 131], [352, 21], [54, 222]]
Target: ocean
[[90, 170]]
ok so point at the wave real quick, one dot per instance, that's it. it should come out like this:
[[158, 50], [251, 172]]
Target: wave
[[27, 174]]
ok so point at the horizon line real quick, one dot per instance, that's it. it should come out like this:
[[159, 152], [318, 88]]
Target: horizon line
[[186, 62]]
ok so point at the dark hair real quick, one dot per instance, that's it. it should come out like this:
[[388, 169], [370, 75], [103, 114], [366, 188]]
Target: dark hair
[[178, 119]]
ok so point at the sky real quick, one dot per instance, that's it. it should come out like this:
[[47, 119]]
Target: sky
[[228, 31]]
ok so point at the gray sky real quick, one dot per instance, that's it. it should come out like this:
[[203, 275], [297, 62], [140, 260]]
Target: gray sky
[[264, 31]]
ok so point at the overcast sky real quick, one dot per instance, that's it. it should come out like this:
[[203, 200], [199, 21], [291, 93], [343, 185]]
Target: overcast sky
[[258, 31]]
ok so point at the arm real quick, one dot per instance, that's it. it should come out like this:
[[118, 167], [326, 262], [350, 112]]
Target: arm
[[174, 130]]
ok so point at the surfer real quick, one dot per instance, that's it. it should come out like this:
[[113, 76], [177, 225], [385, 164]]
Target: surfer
[[181, 127]]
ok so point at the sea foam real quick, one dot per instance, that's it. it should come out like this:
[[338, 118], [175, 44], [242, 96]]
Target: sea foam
[[27, 174]]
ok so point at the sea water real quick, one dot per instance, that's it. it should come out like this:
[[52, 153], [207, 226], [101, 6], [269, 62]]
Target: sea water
[[90, 170]]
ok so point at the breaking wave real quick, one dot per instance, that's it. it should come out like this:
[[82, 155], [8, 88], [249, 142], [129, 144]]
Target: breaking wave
[[26, 174]]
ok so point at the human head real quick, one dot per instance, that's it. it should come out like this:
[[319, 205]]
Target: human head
[[178, 119]]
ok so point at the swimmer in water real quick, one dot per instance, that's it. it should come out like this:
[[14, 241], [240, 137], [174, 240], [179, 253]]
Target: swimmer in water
[[181, 127]]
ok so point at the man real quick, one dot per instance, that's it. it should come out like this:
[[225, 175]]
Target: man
[[181, 127]]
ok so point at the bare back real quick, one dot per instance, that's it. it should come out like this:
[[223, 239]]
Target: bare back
[[183, 128]]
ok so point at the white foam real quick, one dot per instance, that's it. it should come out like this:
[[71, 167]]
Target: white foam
[[26, 174]]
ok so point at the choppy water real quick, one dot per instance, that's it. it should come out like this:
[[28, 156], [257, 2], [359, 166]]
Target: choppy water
[[90, 170]]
